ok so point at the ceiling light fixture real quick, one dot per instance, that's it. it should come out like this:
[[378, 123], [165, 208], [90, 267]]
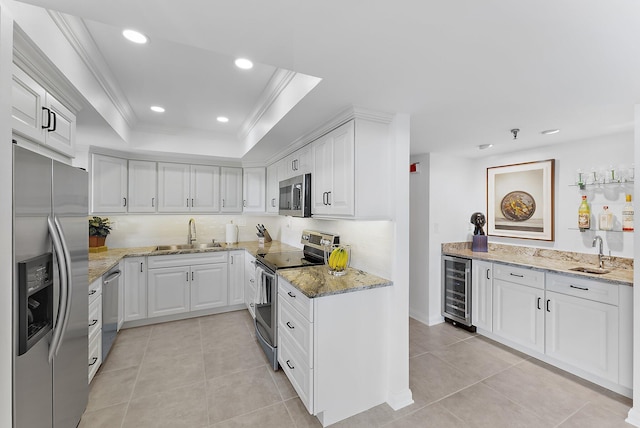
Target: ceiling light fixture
[[244, 63], [485, 146], [135, 36], [157, 109], [550, 131], [515, 131], [222, 119]]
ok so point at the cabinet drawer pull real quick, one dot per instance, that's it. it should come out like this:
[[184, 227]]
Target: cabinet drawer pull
[[95, 360], [187, 276], [488, 273], [579, 288], [92, 292], [516, 275], [140, 266], [222, 202], [289, 365], [548, 300], [231, 259], [187, 202], [125, 202], [289, 325], [539, 298], [48, 125], [329, 198], [94, 322], [153, 201], [291, 295], [55, 122], [192, 204], [251, 280]]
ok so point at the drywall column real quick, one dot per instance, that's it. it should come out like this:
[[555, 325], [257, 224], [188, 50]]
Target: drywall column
[[634, 414], [419, 241], [6, 231], [398, 334]]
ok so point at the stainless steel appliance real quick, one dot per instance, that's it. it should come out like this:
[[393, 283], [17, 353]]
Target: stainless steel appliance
[[50, 280], [456, 291], [110, 287], [295, 196], [266, 299]]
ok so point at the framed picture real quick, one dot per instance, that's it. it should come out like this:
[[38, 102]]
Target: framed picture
[[520, 200]]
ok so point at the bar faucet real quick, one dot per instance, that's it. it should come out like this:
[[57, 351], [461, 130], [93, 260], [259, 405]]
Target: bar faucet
[[600, 254], [191, 237]]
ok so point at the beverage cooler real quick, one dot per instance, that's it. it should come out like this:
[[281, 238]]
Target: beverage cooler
[[456, 291]]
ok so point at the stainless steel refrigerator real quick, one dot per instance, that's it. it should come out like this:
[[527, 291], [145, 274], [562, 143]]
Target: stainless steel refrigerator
[[50, 280]]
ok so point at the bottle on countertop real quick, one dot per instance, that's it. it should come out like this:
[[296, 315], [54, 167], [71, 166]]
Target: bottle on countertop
[[584, 215], [627, 215], [605, 219]]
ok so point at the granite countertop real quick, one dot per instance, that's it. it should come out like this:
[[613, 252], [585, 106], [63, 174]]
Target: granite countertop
[[316, 281], [547, 260], [100, 263]]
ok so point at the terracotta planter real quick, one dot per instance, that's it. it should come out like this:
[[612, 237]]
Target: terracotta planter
[[97, 241]]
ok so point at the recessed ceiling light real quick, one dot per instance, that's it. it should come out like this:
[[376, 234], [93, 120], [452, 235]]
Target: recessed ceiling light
[[550, 131], [135, 36], [222, 119], [485, 146], [157, 109], [244, 63]]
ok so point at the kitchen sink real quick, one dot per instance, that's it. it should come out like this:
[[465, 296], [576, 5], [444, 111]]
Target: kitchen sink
[[590, 269], [188, 246]]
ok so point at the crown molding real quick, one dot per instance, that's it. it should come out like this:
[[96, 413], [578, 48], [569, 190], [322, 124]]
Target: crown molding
[[278, 82], [76, 32]]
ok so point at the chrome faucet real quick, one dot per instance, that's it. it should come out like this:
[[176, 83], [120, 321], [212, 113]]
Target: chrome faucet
[[600, 254], [191, 237]]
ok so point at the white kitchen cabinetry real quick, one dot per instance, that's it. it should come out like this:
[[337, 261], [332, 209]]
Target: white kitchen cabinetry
[[298, 163], [108, 184], [253, 190], [518, 300], [482, 294], [187, 282], [143, 186], [329, 348], [236, 277], [95, 327], [231, 189], [135, 288], [39, 116], [360, 146], [273, 186], [250, 283], [188, 188]]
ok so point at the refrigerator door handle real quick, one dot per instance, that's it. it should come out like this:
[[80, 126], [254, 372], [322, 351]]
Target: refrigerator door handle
[[62, 273], [69, 283]]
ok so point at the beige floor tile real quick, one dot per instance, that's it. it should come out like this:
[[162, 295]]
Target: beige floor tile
[[284, 386], [232, 359], [432, 416], [175, 328], [172, 345], [609, 400], [552, 395], [422, 341], [181, 407], [375, 417], [431, 379], [169, 373], [219, 336], [239, 393], [480, 406], [124, 355], [108, 417], [111, 388], [133, 335], [592, 416], [300, 414], [275, 416]]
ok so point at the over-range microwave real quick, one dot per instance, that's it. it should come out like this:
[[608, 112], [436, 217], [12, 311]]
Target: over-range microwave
[[295, 196]]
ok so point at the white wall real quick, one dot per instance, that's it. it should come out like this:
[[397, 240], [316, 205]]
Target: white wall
[[419, 240]]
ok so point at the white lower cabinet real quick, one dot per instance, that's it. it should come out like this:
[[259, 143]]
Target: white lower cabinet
[[236, 277], [482, 294], [135, 288], [95, 327], [250, 283], [329, 348], [186, 282]]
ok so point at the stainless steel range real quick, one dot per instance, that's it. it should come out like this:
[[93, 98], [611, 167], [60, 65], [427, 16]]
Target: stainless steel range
[[266, 299]]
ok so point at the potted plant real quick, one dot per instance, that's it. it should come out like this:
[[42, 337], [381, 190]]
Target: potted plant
[[99, 228]]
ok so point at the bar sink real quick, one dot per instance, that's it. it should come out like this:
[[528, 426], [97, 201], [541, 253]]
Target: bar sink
[[590, 269]]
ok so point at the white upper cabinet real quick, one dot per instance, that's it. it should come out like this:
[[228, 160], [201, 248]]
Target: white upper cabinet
[[253, 190], [188, 188], [273, 186], [108, 184], [39, 116], [298, 163], [143, 187], [231, 189]]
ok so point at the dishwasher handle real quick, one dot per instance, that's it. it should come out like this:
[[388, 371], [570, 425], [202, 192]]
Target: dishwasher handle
[[114, 275]]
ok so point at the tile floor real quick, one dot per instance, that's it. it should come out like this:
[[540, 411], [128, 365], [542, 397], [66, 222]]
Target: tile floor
[[209, 372]]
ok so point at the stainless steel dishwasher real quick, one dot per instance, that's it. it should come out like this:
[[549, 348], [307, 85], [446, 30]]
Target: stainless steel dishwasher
[[110, 285]]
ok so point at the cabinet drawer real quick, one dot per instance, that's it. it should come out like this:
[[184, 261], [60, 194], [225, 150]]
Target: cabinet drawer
[[295, 298], [300, 375], [523, 276], [95, 356], [587, 289], [95, 290], [189, 259], [95, 317], [298, 329]]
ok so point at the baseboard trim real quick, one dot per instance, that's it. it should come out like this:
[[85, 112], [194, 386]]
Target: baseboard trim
[[399, 400], [438, 319], [633, 417], [419, 316]]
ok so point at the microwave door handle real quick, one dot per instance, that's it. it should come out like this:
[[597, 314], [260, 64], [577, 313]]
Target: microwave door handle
[[62, 274]]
